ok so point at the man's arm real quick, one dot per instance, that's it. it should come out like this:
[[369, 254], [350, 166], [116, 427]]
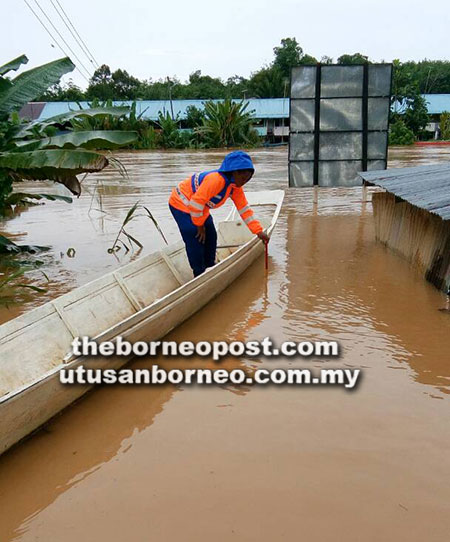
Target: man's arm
[[247, 214]]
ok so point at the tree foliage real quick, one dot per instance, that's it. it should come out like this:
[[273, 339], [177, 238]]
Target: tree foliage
[[410, 79], [268, 82], [400, 134], [427, 76], [288, 54], [355, 58], [444, 125], [408, 104], [45, 149], [117, 85], [194, 116]]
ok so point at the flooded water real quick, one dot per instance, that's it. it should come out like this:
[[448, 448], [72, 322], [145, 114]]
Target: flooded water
[[253, 464]]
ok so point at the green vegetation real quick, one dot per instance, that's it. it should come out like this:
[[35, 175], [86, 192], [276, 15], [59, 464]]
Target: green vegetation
[[47, 149], [444, 125], [43, 150], [410, 80], [269, 82], [400, 134], [356, 58], [123, 236], [427, 76], [227, 124], [220, 124], [406, 94]]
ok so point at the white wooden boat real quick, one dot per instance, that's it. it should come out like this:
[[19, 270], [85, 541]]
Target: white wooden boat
[[143, 300]]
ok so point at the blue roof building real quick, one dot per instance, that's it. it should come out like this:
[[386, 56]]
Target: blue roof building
[[262, 108], [271, 114]]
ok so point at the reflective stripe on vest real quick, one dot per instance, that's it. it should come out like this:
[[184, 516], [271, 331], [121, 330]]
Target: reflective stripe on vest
[[190, 203], [244, 210], [196, 205], [182, 197], [196, 182]]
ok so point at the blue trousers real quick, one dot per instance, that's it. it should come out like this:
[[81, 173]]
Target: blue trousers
[[200, 255]]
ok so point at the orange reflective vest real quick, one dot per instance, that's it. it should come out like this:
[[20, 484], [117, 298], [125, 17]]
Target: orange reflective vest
[[199, 193]]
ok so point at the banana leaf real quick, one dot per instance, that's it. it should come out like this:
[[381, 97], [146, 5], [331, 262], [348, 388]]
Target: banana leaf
[[21, 197], [66, 162], [60, 166], [7, 247], [13, 64], [92, 139], [26, 86], [63, 118]]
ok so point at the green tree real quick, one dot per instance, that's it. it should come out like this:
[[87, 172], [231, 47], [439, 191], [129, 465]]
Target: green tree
[[125, 86], [269, 82], [430, 76], [101, 84], [156, 90], [119, 85], [203, 87], [236, 87], [355, 58], [407, 102], [400, 134], [308, 59], [287, 55], [326, 60], [416, 114], [62, 93]]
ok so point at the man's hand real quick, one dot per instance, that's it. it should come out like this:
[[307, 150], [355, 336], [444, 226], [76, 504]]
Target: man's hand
[[201, 234], [264, 237]]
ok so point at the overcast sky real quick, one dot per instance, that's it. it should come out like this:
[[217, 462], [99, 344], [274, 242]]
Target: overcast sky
[[153, 39]]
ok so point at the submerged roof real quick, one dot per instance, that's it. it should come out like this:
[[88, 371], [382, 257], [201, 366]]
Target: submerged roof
[[427, 187], [435, 103], [260, 108]]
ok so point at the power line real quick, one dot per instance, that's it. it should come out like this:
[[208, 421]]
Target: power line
[[75, 35], [81, 39], [52, 37], [62, 37]]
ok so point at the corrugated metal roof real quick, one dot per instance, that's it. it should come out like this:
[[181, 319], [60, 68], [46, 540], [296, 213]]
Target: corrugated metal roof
[[264, 108], [436, 104], [31, 110], [427, 187]]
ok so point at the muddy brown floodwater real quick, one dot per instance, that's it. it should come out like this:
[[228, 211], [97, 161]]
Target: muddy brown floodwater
[[251, 464]]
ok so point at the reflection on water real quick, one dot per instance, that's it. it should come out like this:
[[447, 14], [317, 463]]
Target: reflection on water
[[250, 463], [417, 156]]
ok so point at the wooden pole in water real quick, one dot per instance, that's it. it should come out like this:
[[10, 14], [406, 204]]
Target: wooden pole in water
[[266, 255]]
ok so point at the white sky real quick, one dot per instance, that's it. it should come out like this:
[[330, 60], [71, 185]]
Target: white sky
[[156, 39]]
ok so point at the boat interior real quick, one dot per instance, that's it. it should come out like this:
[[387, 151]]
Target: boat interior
[[47, 331]]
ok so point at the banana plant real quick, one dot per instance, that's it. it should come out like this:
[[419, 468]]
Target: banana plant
[[227, 124], [48, 149]]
